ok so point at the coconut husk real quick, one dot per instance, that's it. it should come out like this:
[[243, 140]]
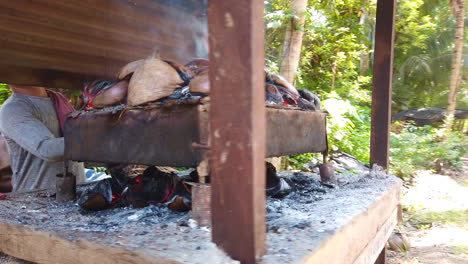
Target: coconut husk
[[112, 96], [201, 83], [129, 69], [184, 72], [153, 80]]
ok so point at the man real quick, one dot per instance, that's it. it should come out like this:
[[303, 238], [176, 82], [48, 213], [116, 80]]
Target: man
[[31, 126]]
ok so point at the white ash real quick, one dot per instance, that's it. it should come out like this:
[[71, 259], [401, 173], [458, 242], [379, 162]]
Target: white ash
[[295, 225]]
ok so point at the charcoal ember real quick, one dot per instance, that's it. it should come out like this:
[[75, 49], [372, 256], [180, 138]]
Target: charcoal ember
[[153, 186], [106, 192], [308, 100], [97, 198], [276, 187]]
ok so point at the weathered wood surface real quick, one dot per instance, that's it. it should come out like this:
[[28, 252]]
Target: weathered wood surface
[[382, 82], [44, 247], [62, 43], [362, 240], [238, 127], [34, 228], [165, 137]]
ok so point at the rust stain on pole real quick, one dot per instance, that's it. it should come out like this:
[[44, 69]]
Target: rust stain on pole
[[382, 90], [237, 127]]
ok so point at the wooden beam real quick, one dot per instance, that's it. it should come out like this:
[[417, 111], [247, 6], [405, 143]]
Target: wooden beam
[[382, 91], [237, 127], [361, 241], [43, 247], [90, 38]]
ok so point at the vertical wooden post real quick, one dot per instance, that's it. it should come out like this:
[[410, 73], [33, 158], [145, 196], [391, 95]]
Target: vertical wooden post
[[382, 91], [237, 130]]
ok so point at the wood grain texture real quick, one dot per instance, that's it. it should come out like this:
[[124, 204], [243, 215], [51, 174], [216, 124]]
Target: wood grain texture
[[91, 37], [237, 127], [362, 240], [40, 247], [382, 82]]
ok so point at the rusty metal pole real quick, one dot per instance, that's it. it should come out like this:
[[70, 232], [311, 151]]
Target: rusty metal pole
[[237, 132], [382, 90]]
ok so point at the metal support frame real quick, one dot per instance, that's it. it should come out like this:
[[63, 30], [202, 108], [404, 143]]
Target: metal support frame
[[382, 90], [237, 127]]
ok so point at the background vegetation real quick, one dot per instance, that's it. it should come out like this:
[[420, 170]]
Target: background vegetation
[[336, 63]]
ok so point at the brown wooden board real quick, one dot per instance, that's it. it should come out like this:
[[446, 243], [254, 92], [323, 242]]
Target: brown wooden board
[[238, 127], [382, 89], [63, 43], [363, 239], [165, 137]]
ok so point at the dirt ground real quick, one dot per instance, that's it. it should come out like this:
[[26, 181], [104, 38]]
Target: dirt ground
[[435, 219]]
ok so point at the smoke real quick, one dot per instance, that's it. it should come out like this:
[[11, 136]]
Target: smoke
[[190, 19]]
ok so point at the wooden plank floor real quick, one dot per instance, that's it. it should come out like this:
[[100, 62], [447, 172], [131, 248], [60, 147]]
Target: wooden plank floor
[[346, 225]]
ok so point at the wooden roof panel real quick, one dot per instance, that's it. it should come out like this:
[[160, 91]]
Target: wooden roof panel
[[92, 38]]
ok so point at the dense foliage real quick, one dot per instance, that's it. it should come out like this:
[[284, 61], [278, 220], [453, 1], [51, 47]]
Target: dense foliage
[[336, 64], [5, 92], [425, 148]]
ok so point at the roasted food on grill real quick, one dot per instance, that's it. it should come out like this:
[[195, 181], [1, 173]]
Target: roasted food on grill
[[167, 83], [127, 71], [117, 94], [98, 87], [201, 82], [308, 100], [198, 65], [158, 186], [289, 93], [272, 95], [152, 80]]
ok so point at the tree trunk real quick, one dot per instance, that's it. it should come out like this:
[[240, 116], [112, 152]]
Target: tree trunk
[[293, 41], [458, 9], [364, 55]]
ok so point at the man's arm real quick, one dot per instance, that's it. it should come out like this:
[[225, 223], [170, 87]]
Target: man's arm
[[17, 122]]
